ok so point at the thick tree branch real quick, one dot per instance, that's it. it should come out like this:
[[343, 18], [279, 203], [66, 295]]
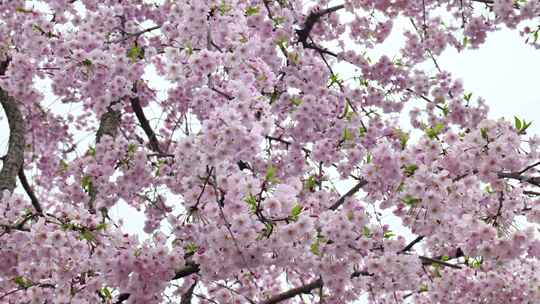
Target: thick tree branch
[[311, 20], [145, 125], [351, 192], [108, 125], [411, 244], [294, 292], [13, 161], [188, 295]]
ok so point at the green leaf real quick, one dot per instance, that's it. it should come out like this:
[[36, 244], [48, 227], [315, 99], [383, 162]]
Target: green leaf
[[367, 232], [131, 149], [266, 231], [334, 79], [410, 169], [160, 164], [296, 101], [63, 166], [224, 8], [101, 226], [484, 133], [23, 10], [410, 201], [91, 151], [252, 10], [445, 258], [445, 110], [310, 183], [467, 97], [434, 131], [347, 134], [369, 157], [105, 293], [278, 20], [191, 248], [252, 203], [295, 212], [86, 183], [87, 62], [271, 174], [135, 53], [314, 247], [388, 234], [517, 123], [87, 235], [403, 139], [465, 41], [22, 282]]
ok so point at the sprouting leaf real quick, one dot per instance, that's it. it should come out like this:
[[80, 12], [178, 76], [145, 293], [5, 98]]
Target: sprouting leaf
[[252, 203], [367, 232], [410, 200], [131, 149], [296, 101], [86, 183], [465, 41], [467, 97], [63, 166], [362, 131], [347, 134], [434, 131], [266, 231], [484, 133], [224, 8], [252, 10], [87, 62], [369, 158], [22, 282], [135, 53], [105, 293], [310, 183], [388, 234], [271, 174], [23, 10], [335, 79], [101, 226], [295, 212], [191, 248], [91, 151], [517, 123], [87, 235], [410, 169], [314, 247]]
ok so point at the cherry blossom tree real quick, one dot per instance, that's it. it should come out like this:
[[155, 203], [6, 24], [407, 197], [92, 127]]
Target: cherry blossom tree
[[237, 172]]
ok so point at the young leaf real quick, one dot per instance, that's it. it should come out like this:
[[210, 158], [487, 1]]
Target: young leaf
[[517, 123], [295, 212]]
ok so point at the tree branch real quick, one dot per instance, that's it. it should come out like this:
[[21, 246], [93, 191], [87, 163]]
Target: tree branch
[[294, 292], [189, 269], [33, 199], [145, 125], [188, 295], [351, 192], [108, 125], [311, 20], [411, 244], [13, 161]]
